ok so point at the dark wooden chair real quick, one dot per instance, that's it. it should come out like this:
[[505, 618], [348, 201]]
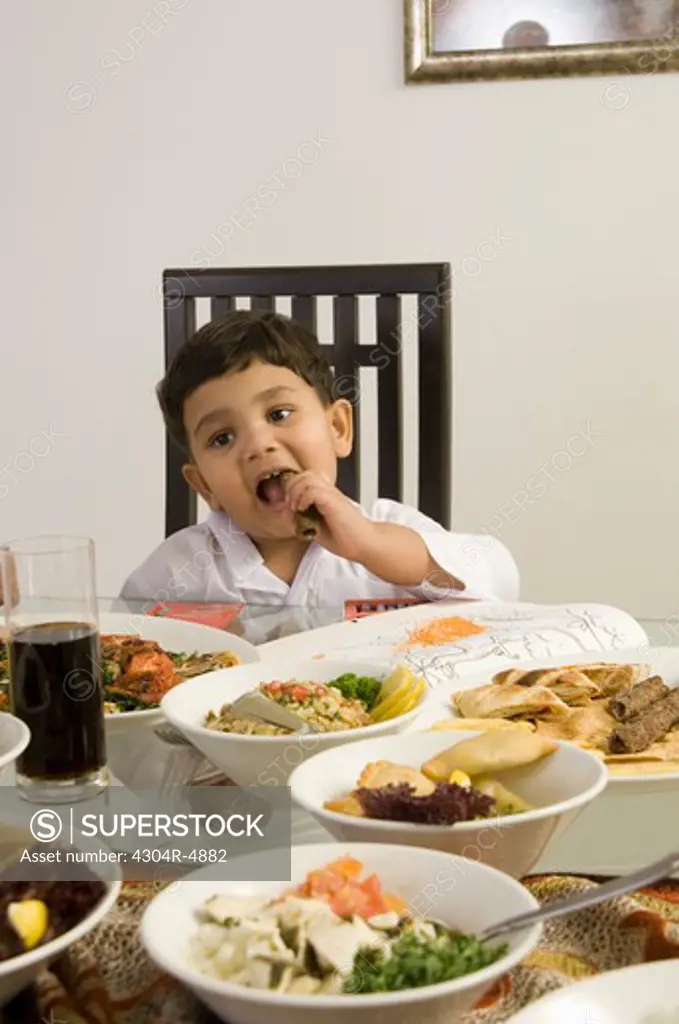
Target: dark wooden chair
[[427, 328]]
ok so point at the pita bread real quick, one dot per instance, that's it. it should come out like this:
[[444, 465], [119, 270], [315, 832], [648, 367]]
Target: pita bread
[[632, 758], [489, 753], [611, 678], [586, 727], [509, 702], [480, 724], [627, 768], [571, 685]]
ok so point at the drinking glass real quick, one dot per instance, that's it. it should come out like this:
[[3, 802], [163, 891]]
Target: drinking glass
[[50, 602]]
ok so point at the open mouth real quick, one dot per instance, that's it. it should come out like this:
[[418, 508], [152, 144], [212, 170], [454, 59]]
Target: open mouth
[[271, 488]]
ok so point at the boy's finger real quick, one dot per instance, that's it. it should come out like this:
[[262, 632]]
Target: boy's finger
[[304, 496]]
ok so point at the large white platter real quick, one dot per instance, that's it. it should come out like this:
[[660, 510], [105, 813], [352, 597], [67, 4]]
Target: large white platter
[[664, 661]]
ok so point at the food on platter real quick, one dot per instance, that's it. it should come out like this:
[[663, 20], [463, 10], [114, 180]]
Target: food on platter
[[642, 731], [571, 686], [631, 722], [626, 705], [479, 724], [509, 701], [137, 673], [608, 678]]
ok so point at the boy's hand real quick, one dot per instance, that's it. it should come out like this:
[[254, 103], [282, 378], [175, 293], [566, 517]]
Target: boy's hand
[[344, 529]]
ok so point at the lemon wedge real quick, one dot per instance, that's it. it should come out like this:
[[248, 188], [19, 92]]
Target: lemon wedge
[[401, 701], [400, 675], [412, 700], [385, 707], [29, 919]]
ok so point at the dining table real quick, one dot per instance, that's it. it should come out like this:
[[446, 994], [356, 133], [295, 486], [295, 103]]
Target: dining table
[[107, 978]]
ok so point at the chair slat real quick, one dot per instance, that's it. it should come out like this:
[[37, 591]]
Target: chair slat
[[345, 331], [434, 405], [220, 307], [263, 302], [304, 311], [180, 500], [386, 359]]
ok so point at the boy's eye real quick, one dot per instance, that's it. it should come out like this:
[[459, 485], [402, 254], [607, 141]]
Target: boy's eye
[[278, 415], [221, 439]]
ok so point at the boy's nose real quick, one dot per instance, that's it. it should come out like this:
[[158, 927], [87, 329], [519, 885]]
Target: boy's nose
[[256, 453], [259, 443]]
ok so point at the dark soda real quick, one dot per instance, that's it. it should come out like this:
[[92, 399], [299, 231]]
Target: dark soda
[[55, 688]]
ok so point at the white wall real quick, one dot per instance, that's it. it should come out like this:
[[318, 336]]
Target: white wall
[[113, 171]]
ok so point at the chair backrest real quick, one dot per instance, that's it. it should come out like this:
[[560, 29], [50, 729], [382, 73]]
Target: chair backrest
[[425, 332]]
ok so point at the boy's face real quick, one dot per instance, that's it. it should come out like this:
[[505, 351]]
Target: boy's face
[[248, 424]]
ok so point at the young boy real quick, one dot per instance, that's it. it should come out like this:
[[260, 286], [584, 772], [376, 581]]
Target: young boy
[[250, 399]]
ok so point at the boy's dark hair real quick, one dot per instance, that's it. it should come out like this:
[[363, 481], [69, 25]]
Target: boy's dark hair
[[230, 343]]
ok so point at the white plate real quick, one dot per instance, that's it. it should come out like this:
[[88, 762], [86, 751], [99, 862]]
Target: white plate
[[135, 755], [664, 661], [173, 635], [643, 994]]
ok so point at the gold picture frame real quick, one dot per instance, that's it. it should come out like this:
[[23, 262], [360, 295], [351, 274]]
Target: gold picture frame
[[424, 63]]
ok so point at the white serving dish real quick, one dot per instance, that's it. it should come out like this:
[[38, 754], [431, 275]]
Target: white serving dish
[[462, 893], [266, 760], [664, 661], [561, 785], [135, 755]]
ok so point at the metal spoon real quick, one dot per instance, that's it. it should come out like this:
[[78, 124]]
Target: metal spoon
[[579, 901], [168, 734]]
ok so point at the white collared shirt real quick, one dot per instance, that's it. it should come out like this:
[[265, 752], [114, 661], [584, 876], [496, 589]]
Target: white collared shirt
[[216, 561]]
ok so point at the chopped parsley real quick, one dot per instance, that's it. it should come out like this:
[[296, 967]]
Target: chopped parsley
[[415, 961]]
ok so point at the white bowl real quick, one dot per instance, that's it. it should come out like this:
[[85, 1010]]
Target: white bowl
[[645, 993], [14, 738], [266, 760], [560, 785], [482, 897], [22, 970], [135, 755]]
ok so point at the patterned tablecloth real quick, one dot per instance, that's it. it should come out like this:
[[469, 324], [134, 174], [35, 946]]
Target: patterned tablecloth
[[107, 978]]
